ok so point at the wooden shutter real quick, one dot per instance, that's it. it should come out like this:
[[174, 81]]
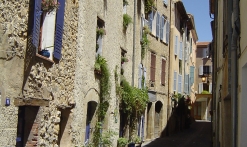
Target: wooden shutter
[[186, 83], [167, 31], [175, 81], [150, 19], [200, 88], [153, 64], [59, 30], [36, 23], [161, 27], [200, 70], [158, 25], [176, 45], [163, 72], [140, 76]]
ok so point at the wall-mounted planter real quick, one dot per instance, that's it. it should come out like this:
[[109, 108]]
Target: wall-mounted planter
[[45, 53]]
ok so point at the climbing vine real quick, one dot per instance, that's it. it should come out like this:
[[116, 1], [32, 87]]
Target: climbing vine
[[101, 68], [145, 42], [148, 5]]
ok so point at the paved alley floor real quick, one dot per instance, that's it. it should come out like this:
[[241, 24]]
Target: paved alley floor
[[198, 135]]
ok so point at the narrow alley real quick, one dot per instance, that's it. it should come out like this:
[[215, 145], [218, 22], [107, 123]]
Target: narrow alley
[[198, 135]]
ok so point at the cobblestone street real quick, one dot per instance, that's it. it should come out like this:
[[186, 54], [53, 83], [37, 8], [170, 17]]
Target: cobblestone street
[[198, 135]]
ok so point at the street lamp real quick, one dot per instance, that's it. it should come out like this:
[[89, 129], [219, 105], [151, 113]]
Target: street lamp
[[203, 79]]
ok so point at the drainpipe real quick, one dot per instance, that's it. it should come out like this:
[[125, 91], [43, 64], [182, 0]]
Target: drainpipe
[[215, 112], [169, 64], [134, 45], [234, 73]]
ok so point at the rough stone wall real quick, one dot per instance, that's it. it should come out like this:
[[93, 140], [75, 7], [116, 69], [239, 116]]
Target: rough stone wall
[[44, 80], [13, 37], [161, 50], [87, 85]]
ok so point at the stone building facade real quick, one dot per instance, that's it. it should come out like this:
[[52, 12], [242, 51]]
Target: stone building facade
[[53, 100]]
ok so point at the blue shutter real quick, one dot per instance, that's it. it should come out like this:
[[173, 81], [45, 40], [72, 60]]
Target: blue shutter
[[150, 19], [167, 31], [191, 75], [176, 45], [158, 25], [59, 30], [36, 22], [180, 51], [175, 81], [161, 27]]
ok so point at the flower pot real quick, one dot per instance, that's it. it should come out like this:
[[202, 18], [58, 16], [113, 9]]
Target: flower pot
[[45, 53]]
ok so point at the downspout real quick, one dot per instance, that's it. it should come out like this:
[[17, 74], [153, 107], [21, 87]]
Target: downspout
[[169, 64], [134, 46], [215, 112], [234, 72]]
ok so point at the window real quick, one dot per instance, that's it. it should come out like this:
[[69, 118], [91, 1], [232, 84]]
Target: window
[[44, 26], [205, 70], [164, 29], [180, 66], [99, 38], [163, 72], [152, 68]]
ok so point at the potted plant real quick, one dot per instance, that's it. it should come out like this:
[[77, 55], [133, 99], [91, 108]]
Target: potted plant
[[122, 142], [137, 140], [98, 63], [125, 2], [100, 31], [124, 59], [49, 5], [45, 53], [126, 20]]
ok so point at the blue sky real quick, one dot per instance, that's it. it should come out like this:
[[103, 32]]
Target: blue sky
[[200, 10]]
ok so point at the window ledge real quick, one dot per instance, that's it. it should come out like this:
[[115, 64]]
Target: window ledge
[[44, 58]]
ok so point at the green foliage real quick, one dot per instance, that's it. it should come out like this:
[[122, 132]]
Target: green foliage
[[148, 5], [100, 31], [105, 86], [145, 42], [126, 20], [122, 142], [124, 59], [125, 2], [205, 92], [107, 137], [134, 100], [136, 139]]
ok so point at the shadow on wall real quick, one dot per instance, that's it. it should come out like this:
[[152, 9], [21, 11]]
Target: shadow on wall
[[180, 118]]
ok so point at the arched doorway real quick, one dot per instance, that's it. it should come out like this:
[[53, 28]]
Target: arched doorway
[[149, 119], [90, 122], [158, 119]]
